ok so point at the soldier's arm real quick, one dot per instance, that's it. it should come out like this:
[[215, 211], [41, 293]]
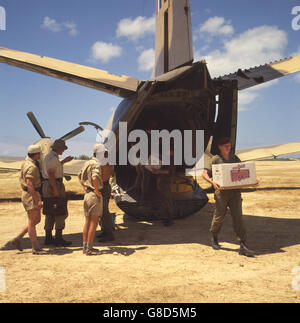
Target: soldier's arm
[[96, 185], [80, 180], [210, 180], [67, 159], [52, 180]]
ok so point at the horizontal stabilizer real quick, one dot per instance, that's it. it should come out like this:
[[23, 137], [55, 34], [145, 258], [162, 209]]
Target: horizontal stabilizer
[[122, 86], [268, 151], [264, 73]]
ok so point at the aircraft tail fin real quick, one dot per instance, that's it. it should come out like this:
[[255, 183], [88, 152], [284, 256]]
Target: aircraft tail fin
[[174, 43]]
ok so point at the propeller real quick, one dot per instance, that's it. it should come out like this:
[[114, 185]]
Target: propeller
[[36, 125], [96, 126], [40, 131], [87, 123], [72, 133]]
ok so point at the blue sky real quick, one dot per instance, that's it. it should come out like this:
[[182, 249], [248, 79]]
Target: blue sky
[[118, 36]]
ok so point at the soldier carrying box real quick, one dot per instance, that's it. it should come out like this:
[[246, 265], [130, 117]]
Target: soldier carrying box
[[226, 198]]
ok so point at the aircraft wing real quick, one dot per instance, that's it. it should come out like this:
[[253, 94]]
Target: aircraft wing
[[264, 73], [10, 163], [268, 151], [14, 164], [73, 167], [123, 86]]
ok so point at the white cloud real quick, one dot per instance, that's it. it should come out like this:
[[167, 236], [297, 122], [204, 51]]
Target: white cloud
[[136, 28], [254, 47], [246, 98], [104, 52], [71, 27], [54, 26], [217, 26], [51, 24], [146, 60]]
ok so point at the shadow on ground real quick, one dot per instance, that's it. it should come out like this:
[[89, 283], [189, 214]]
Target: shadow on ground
[[266, 235]]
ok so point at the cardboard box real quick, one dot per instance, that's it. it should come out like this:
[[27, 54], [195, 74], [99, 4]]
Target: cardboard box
[[237, 175]]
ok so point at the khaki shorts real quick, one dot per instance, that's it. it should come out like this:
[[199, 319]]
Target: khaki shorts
[[92, 205], [28, 201]]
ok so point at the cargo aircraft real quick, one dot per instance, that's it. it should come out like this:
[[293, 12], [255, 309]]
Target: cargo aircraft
[[180, 94]]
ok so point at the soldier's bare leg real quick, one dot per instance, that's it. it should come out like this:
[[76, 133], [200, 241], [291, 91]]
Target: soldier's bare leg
[[93, 223], [89, 230], [85, 232], [34, 218]]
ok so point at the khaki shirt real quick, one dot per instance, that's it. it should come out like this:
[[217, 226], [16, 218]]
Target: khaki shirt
[[52, 161], [31, 171], [218, 159], [90, 169]]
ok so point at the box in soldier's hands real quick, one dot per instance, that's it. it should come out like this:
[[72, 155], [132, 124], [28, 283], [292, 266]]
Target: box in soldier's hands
[[237, 175]]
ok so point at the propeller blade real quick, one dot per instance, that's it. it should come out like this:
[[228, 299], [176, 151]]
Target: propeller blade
[[87, 123], [72, 133], [36, 125]]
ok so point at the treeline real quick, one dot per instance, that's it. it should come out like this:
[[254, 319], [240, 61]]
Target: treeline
[[83, 157]]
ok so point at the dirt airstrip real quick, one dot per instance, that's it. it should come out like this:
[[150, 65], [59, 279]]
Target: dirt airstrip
[[151, 263]]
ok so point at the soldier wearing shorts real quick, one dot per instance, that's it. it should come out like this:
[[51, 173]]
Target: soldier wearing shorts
[[106, 221], [30, 181], [53, 186], [226, 199], [91, 181]]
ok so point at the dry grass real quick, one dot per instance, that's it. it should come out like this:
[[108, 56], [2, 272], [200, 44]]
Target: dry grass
[[152, 263]]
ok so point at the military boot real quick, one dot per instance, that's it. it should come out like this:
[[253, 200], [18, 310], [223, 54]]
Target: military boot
[[59, 241], [245, 251], [215, 243], [49, 239]]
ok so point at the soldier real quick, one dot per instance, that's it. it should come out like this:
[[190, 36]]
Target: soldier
[[53, 186], [142, 181], [91, 180], [106, 221], [226, 198], [164, 179], [30, 181]]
